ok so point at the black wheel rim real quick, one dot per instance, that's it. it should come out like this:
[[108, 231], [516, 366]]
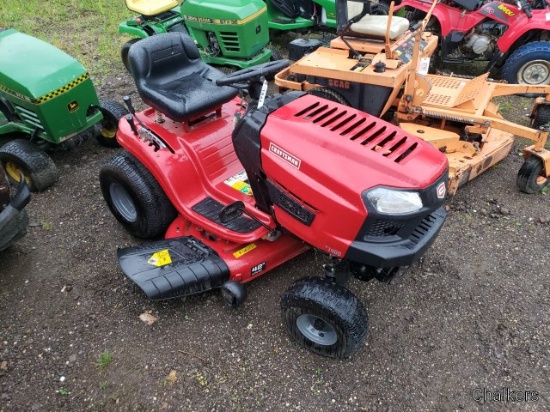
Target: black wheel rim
[[316, 330], [123, 202]]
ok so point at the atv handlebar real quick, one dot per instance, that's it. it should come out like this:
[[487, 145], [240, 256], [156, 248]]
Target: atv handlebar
[[526, 7], [251, 73]]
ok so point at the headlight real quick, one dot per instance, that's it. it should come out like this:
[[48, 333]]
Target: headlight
[[394, 202]]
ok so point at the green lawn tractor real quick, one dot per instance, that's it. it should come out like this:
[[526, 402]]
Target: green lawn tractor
[[228, 33], [308, 15], [47, 102]]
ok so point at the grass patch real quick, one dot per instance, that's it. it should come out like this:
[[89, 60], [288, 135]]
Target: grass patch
[[85, 29], [104, 360]]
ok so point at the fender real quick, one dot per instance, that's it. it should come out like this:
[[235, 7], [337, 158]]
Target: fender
[[449, 18], [522, 26], [188, 169], [142, 30]]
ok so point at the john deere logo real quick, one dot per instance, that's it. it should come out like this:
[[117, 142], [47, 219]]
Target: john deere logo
[[73, 106]]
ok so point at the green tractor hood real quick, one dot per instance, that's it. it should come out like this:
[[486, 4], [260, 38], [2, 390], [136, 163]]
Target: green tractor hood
[[32, 69]]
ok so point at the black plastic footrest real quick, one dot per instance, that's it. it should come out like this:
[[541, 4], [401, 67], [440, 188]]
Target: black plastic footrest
[[210, 209], [172, 268]]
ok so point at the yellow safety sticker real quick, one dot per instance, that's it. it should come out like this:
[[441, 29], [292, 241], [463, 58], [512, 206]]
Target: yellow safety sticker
[[240, 182], [244, 250], [160, 258]]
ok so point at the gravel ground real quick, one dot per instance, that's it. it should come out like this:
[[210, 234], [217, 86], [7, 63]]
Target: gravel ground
[[466, 329]]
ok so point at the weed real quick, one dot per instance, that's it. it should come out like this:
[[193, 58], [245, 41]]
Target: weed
[[103, 385], [104, 360], [63, 391]]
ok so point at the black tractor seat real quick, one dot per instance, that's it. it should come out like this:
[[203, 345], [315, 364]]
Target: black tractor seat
[[171, 77]]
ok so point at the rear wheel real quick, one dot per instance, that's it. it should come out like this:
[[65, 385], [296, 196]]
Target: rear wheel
[[21, 157], [135, 198], [112, 113], [529, 64], [530, 179], [324, 317], [124, 52], [329, 94]]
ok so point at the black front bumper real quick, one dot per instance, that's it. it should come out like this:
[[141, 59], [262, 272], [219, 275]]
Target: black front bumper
[[397, 251]]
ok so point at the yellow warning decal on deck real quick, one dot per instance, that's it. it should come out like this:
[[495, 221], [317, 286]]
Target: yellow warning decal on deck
[[160, 258], [244, 250], [240, 182]]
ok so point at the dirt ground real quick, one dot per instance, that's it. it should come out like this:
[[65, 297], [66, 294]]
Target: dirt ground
[[468, 328]]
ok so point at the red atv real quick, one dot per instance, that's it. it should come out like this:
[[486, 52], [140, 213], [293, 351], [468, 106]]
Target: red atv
[[238, 193], [512, 37]]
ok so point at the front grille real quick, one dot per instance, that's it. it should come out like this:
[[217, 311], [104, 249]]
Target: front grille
[[29, 117], [368, 131], [423, 228], [230, 41], [382, 228]]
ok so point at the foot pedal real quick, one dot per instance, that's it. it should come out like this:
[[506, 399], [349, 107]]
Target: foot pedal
[[173, 268], [210, 209]]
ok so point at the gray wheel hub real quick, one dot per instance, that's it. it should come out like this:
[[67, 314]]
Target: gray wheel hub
[[123, 202], [535, 72], [316, 330]]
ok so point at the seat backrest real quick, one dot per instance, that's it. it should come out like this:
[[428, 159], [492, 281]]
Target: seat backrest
[[171, 77], [163, 58], [350, 10]]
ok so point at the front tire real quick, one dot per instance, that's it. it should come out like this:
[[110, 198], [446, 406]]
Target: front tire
[[20, 156], [541, 116], [324, 317], [530, 178], [112, 113], [135, 198], [529, 64]]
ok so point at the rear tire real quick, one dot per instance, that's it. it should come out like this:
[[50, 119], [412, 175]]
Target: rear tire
[[22, 156], [112, 113], [135, 198], [530, 179], [124, 53], [324, 317], [529, 64], [328, 94]]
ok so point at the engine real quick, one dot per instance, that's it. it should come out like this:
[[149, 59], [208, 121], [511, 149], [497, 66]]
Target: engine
[[481, 42]]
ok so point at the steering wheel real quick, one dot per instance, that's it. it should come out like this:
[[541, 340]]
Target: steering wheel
[[252, 73], [526, 7]]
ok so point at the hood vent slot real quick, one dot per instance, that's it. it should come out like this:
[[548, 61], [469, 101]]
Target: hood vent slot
[[369, 131]]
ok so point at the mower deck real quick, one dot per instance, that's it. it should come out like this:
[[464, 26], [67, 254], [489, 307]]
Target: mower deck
[[436, 109]]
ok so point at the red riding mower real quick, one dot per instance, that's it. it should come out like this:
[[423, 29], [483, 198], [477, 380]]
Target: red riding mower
[[238, 191]]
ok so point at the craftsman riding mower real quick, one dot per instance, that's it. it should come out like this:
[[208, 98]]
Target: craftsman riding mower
[[232, 34], [455, 114], [47, 102], [238, 191]]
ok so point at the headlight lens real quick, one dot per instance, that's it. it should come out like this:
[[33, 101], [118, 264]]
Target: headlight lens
[[394, 202]]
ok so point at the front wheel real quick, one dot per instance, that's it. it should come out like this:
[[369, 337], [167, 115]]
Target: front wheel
[[529, 64], [541, 116], [22, 158], [324, 317], [530, 177], [112, 113], [135, 198]]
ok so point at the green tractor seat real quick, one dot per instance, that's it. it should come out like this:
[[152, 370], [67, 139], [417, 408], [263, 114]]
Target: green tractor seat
[[171, 77]]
